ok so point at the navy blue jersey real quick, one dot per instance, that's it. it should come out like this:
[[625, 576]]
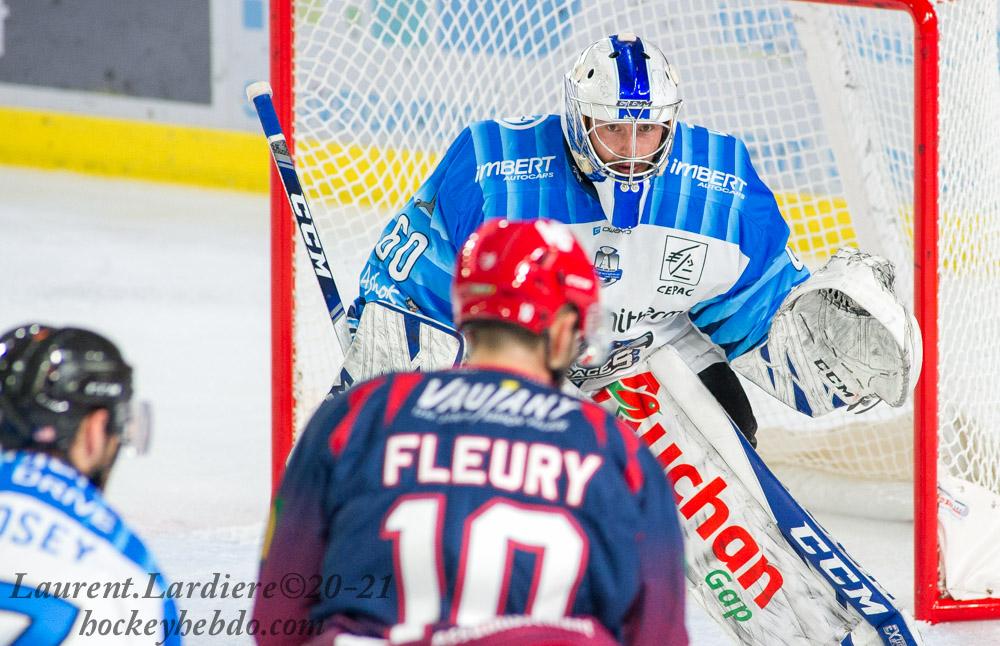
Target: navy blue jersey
[[419, 501]]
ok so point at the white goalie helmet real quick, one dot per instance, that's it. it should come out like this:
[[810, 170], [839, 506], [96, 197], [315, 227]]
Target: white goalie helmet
[[621, 105]]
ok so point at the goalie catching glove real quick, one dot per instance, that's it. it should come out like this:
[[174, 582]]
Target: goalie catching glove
[[840, 338]]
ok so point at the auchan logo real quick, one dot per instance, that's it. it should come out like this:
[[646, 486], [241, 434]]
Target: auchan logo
[[732, 543]]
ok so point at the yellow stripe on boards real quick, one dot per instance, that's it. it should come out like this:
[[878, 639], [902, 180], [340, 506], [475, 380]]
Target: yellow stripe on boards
[[381, 178], [134, 149]]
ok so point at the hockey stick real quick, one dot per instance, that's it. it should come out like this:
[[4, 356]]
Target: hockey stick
[[259, 94]]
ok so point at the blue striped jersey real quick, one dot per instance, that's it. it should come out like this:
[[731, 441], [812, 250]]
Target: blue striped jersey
[[702, 243]]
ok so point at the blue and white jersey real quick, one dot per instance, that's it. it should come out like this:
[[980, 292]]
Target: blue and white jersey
[[68, 563], [702, 243]]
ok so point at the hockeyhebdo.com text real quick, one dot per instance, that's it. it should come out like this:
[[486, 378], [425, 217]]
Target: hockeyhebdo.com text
[[98, 618], [161, 630]]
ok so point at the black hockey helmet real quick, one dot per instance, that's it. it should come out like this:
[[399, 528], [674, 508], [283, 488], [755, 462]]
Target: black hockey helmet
[[51, 378]]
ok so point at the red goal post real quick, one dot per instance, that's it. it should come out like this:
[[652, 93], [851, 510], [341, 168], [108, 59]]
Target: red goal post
[[403, 27]]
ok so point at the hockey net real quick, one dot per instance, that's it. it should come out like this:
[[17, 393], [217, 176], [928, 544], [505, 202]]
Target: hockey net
[[824, 97]]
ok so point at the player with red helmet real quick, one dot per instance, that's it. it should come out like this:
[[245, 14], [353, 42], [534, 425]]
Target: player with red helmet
[[481, 504], [517, 277]]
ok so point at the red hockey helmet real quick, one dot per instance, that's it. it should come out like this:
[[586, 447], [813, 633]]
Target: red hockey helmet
[[523, 273]]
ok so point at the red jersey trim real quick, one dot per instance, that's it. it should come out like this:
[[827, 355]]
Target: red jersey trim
[[633, 470], [402, 386], [357, 397]]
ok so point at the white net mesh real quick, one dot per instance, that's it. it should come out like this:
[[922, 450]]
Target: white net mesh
[[823, 96]]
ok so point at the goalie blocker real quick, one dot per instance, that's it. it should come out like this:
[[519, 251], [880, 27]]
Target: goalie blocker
[[757, 561]]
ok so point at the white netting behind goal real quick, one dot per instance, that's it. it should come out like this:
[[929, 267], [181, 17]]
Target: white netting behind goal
[[822, 95]]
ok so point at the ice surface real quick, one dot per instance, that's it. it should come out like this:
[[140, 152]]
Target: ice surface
[[178, 277]]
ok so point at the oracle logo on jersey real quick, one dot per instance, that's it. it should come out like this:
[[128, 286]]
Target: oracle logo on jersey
[[710, 179], [731, 543], [515, 170], [508, 403]]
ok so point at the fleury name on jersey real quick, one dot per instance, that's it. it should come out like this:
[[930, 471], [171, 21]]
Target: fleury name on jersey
[[536, 469]]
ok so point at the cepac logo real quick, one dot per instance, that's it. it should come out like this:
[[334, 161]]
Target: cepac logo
[[606, 265], [516, 170], [683, 260]]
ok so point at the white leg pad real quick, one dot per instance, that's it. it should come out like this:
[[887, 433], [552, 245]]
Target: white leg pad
[[756, 561]]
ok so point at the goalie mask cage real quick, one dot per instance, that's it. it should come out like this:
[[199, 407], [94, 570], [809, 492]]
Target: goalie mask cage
[[874, 122]]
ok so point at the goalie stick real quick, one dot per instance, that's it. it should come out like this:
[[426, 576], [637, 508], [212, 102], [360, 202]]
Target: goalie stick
[[259, 94]]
